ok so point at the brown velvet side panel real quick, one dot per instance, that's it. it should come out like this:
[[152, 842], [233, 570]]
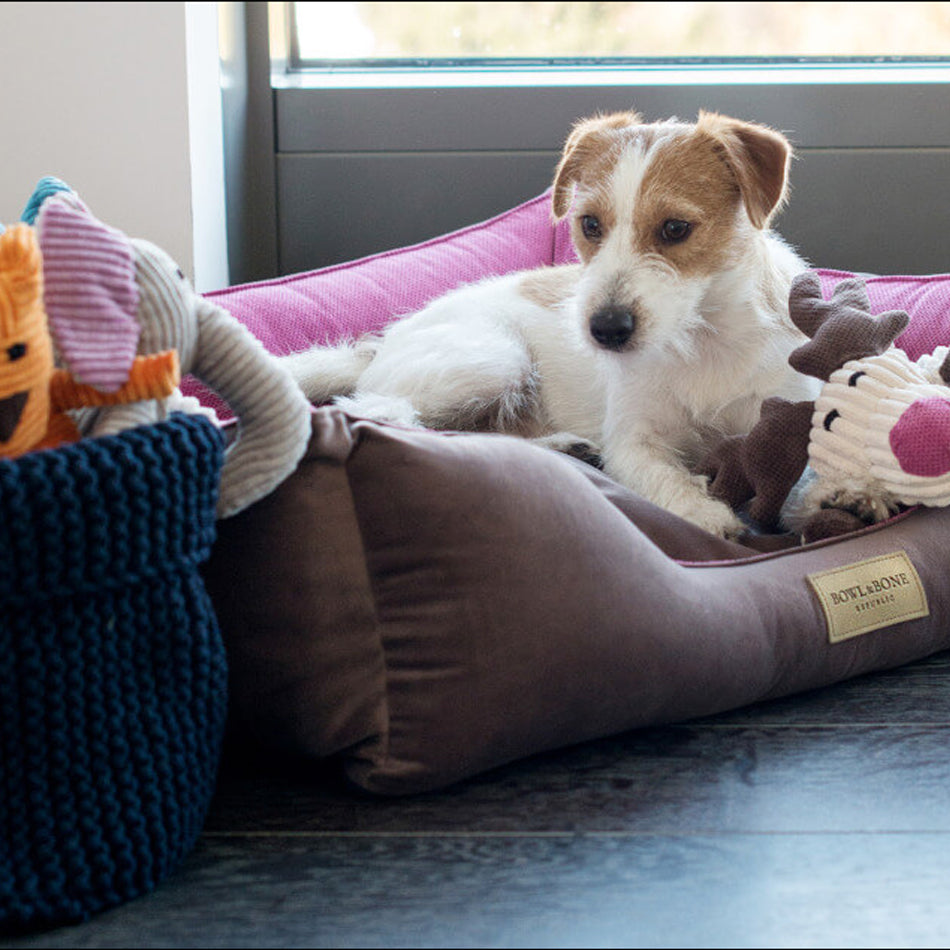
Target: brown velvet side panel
[[288, 581], [432, 605], [772, 595], [521, 610], [677, 538]]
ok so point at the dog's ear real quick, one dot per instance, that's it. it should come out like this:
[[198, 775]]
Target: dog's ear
[[758, 157], [588, 139]]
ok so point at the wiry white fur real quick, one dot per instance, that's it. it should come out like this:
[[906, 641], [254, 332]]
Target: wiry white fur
[[704, 377], [710, 348]]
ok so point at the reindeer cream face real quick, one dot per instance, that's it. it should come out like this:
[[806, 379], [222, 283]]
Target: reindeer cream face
[[883, 422]]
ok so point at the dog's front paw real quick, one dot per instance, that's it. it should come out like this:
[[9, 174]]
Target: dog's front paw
[[713, 516], [859, 500], [867, 507]]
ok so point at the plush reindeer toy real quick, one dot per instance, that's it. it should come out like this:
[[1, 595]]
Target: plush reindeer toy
[[876, 439]]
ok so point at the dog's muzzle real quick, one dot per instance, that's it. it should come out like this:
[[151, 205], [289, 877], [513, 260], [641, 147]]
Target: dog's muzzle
[[612, 327]]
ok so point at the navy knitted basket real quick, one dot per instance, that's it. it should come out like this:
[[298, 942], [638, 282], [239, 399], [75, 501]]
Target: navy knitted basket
[[112, 671]]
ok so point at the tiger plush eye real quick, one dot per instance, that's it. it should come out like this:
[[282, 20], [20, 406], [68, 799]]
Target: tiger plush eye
[[16, 352]]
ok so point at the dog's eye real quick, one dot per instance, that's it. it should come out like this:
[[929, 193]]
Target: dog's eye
[[16, 352], [673, 231], [834, 414], [591, 227], [854, 377]]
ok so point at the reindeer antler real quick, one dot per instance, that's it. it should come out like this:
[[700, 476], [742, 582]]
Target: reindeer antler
[[841, 328]]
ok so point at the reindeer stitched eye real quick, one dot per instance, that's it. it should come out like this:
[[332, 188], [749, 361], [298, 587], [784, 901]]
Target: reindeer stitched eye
[[16, 352], [854, 377], [591, 228], [673, 231], [830, 418]]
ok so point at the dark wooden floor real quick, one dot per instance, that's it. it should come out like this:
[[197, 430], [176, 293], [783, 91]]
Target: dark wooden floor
[[818, 821]]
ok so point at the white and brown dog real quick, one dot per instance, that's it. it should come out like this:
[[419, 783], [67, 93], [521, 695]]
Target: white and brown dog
[[666, 337]]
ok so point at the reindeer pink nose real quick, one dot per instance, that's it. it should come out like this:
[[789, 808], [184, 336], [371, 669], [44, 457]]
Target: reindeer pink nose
[[920, 440]]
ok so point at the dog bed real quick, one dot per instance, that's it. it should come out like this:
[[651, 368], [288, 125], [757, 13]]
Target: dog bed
[[422, 606]]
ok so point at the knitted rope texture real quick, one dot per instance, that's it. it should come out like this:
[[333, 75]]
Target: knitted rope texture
[[112, 671]]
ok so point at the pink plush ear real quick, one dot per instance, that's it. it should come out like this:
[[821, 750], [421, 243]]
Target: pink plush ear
[[90, 294]]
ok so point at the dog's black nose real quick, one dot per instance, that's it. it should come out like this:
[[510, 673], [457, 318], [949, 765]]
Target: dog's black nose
[[612, 327]]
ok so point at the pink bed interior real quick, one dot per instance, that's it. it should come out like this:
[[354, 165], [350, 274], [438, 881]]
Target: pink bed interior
[[341, 302]]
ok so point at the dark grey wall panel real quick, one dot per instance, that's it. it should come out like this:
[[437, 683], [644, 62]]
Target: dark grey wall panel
[[886, 211], [339, 207], [882, 211], [843, 115], [365, 170]]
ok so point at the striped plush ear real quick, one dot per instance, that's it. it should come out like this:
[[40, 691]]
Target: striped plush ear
[[90, 293]]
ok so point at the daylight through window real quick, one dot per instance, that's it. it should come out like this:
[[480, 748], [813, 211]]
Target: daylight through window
[[327, 34]]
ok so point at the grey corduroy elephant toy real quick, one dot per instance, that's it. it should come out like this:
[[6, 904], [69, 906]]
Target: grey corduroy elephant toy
[[110, 297]]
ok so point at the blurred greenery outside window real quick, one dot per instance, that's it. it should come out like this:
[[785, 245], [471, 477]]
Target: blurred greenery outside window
[[415, 35]]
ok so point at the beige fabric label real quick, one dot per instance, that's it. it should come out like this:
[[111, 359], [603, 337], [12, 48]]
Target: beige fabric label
[[869, 594]]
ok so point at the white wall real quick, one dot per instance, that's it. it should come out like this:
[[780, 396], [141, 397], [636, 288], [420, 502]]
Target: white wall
[[121, 100]]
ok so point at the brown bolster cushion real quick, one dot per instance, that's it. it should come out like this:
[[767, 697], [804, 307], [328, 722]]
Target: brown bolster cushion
[[424, 606]]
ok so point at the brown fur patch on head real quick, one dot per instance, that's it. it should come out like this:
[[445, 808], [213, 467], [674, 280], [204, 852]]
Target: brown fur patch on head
[[702, 174], [588, 152], [758, 158], [687, 181]]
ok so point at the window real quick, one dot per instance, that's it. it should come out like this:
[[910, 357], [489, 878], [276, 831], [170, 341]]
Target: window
[[361, 35], [395, 122]]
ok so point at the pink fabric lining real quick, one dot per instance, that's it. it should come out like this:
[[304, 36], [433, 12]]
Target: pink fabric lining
[[343, 301], [926, 299], [346, 300]]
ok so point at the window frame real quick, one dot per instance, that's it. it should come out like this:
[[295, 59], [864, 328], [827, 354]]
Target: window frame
[[374, 154]]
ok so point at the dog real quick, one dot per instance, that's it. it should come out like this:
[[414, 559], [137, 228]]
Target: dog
[[665, 338]]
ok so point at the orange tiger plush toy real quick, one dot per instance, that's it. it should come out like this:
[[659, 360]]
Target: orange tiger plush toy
[[35, 396]]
